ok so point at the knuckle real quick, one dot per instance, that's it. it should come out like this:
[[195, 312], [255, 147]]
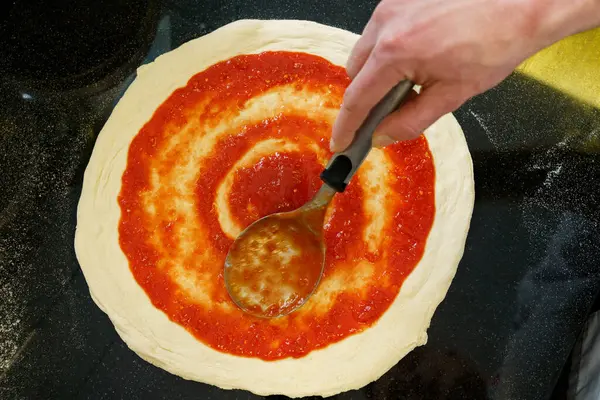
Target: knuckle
[[392, 51], [389, 45]]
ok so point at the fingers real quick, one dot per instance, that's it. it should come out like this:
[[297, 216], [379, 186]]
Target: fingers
[[362, 49], [418, 114], [369, 86]]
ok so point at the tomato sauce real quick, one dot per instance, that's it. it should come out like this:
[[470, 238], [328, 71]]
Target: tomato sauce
[[359, 283]]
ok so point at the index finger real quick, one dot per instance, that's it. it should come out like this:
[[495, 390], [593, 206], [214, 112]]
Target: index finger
[[372, 82]]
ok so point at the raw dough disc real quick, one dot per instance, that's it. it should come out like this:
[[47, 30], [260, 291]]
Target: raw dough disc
[[349, 364]]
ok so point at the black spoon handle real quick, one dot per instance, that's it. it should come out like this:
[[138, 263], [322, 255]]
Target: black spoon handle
[[343, 165]]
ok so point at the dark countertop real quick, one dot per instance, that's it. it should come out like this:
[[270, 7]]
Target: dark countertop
[[522, 292]]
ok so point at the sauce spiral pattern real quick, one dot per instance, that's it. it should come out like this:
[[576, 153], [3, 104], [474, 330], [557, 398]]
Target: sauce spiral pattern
[[245, 138]]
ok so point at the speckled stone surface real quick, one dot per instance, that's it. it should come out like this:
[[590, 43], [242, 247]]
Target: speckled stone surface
[[528, 277]]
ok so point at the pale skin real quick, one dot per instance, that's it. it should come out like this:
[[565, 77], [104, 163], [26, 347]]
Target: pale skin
[[454, 49]]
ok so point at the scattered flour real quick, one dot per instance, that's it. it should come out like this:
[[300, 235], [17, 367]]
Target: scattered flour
[[485, 128]]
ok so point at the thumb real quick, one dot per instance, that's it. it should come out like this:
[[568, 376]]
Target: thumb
[[418, 114]]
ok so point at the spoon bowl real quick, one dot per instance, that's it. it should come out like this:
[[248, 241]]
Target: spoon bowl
[[276, 263]]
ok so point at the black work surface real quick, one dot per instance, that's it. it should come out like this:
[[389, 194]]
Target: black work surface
[[519, 299]]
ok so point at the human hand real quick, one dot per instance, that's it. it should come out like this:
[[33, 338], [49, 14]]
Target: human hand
[[454, 49]]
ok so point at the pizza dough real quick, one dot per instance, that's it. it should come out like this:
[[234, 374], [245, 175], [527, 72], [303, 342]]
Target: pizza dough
[[349, 364]]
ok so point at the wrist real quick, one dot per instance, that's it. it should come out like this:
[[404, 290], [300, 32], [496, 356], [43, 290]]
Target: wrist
[[556, 19]]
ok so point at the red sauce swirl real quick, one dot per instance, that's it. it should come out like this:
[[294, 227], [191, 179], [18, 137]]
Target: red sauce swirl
[[183, 170]]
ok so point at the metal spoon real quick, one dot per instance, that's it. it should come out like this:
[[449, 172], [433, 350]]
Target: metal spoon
[[276, 263]]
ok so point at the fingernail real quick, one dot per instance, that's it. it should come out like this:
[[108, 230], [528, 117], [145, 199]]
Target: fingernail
[[383, 140], [332, 145]]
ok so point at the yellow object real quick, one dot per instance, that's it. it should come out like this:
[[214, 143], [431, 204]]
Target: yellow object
[[571, 66]]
